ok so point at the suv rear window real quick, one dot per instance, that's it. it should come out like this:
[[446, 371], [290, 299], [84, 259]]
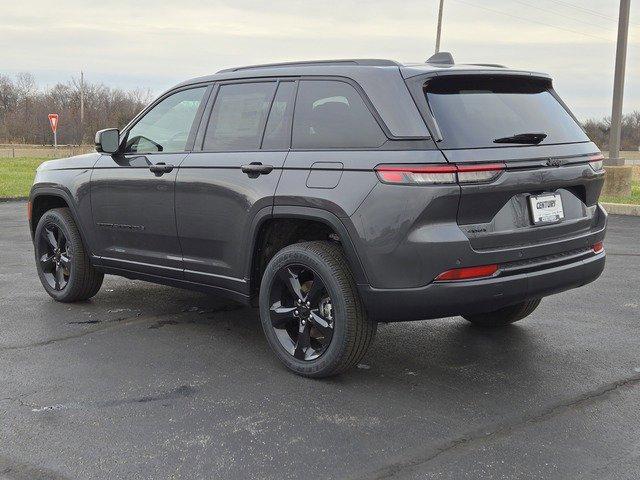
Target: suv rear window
[[486, 111]]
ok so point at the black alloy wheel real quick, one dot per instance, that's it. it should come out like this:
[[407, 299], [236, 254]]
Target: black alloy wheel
[[301, 312], [54, 256], [311, 311], [63, 265]]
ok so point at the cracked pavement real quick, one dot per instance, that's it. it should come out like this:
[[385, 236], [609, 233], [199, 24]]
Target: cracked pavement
[[147, 381]]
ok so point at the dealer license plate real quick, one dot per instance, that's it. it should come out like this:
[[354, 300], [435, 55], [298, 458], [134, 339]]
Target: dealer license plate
[[546, 208]]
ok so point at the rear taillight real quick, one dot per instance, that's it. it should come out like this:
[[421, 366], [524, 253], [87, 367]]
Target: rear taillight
[[469, 273], [439, 174], [596, 162], [416, 174], [479, 173], [598, 247]]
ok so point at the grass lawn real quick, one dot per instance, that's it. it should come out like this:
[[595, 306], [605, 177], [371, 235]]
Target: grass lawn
[[634, 199], [16, 175]]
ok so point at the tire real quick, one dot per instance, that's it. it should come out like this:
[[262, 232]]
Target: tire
[[504, 316], [334, 346], [66, 273]]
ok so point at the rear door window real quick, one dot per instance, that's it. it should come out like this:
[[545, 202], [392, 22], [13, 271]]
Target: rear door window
[[238, 117], [332, 114], [498, 111]]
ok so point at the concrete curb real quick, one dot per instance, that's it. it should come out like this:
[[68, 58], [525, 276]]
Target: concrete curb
[[622, 209]]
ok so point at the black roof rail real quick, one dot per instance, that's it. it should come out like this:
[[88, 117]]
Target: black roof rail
[[441, 58], [369, 62]]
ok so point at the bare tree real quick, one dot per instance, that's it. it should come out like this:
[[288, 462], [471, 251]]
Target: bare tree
[[24, 109]]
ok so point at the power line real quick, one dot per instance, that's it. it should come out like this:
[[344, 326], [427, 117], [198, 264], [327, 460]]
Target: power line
[[555, 12], [584, 9], [532, 21], [588, 11]]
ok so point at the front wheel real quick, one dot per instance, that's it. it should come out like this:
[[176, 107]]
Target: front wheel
[[63, 265], [504, 316], [311, 311]]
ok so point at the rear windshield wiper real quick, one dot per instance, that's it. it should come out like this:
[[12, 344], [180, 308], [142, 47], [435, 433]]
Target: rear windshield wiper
[[524, 138]]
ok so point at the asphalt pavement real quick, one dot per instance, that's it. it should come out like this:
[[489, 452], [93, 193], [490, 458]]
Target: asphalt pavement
[[151, 382]]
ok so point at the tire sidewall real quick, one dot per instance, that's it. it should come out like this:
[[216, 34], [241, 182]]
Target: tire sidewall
[[53, 217], [337, 348]]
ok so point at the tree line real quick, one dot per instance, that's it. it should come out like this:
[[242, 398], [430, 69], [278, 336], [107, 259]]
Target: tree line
[[24, 108], [598, 131]]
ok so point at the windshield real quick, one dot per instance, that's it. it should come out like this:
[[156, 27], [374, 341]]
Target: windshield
[[499, 111]]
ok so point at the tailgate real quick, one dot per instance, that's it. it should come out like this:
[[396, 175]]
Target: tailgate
[[541, 180], [498, 214]]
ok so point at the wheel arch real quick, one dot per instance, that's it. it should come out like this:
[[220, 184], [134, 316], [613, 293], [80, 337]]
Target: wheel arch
[[327, 219], [44, 199]]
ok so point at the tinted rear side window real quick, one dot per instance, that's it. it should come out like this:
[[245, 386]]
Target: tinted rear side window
[[238, 116], [475, 111], [332, 114]]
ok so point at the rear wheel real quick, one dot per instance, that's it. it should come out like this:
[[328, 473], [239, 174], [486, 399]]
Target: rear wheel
[[63, 265], [504, 316], [311, 311]]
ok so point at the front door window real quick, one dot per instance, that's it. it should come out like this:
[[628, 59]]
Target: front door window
[[166, 127]]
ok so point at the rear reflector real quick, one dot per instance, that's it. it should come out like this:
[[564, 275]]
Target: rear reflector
[[438, 174], [29, 210], [596, 162], [598, 247], [468, 273]]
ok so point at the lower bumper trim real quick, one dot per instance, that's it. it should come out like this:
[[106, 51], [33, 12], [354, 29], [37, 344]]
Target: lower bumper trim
[[447, 299]]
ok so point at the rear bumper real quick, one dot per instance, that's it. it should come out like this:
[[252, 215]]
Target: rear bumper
[[438, 300]]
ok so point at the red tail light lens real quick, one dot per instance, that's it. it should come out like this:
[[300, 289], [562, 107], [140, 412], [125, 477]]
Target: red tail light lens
[[438, 174], [598, 247], [596, 162], [468, 273], [416, 174], [29, 210]]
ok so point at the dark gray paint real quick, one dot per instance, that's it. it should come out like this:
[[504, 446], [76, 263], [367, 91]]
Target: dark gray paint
[[134, 213], [216, 204], [325, 174], [200, 221]]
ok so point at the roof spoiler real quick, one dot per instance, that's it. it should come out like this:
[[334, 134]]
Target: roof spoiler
[[441, 58]]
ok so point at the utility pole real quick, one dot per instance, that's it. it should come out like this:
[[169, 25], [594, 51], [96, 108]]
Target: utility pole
[[81, 107], [439, 33], [618, 84]]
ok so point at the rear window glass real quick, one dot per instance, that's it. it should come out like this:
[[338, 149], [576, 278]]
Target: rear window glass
[[476, 112]]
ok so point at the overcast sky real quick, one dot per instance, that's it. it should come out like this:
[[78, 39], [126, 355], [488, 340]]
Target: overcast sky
[[156, 43]]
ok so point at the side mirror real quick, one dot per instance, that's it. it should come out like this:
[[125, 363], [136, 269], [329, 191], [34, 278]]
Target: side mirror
[[108, 140]]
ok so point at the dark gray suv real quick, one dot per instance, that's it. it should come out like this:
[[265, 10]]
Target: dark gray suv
[[335, 195]]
